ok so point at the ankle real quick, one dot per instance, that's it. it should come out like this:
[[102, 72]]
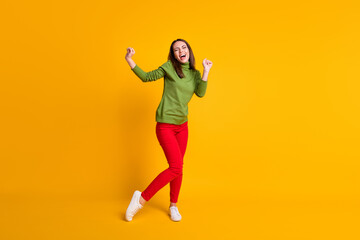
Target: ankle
[[172, 204], [142, 200]]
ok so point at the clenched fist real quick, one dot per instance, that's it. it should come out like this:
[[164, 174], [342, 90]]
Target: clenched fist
[[130, 52], [207, 64]]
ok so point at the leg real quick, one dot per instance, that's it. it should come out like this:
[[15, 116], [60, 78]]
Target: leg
[[167, 139], [175, 185]]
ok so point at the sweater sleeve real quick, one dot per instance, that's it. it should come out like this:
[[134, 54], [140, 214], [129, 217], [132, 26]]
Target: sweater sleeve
[[149, 76], [201, 85]]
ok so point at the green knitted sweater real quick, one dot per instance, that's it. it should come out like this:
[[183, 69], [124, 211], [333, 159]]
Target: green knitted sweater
[[173, 107]]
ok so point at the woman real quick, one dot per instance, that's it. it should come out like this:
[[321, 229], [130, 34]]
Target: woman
[[181, 81]]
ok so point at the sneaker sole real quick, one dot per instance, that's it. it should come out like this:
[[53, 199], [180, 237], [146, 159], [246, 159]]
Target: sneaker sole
[[173, 219]]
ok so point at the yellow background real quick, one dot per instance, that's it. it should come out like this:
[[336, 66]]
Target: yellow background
[[273, 149]]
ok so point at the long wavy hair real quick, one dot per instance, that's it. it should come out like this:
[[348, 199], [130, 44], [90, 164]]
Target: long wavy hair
[[176, 64]]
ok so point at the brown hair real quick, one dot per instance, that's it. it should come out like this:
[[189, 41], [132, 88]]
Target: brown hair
[[176, 64]]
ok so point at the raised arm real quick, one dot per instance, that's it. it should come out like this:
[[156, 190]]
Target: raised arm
[[202, 81], [207, 64], [128, 57], [144, 76]]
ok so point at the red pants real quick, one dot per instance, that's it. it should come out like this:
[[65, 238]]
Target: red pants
[[173, 140]]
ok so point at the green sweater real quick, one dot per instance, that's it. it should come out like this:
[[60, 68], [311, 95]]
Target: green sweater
[[173, 107]]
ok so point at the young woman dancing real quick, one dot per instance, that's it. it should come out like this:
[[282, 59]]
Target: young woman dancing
[[181, 81]]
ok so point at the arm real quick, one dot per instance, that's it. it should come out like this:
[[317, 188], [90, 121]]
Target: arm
[[149, 76], [201, 85], [128, 57], [144, 76], [205, 75]]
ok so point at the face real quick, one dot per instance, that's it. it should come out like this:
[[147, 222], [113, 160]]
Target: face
[[181, 51]]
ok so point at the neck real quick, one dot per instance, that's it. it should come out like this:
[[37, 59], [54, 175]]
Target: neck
[[185, 65]]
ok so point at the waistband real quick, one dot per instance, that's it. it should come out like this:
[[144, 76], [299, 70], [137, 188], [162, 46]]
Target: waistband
[[171, 124]]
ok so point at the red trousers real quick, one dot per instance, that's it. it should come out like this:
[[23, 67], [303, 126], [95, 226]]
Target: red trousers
[[173, 140]]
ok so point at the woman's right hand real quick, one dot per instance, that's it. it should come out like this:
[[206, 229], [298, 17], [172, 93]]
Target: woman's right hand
[[130, 52]]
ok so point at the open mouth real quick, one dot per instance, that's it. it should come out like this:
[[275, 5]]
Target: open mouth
[[182, 57]]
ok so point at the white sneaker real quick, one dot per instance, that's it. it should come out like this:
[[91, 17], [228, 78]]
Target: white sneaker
[[174, 214], [134, 206]]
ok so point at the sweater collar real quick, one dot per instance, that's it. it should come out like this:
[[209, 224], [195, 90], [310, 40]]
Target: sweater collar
[[185, 65]]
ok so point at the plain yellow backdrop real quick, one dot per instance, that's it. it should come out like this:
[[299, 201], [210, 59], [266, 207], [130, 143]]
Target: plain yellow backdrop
[[279, 124]]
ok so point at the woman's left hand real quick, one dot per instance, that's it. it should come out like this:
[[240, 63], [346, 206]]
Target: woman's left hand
[[207, 64]]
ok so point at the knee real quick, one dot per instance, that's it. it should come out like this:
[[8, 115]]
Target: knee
[[176, 171]]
